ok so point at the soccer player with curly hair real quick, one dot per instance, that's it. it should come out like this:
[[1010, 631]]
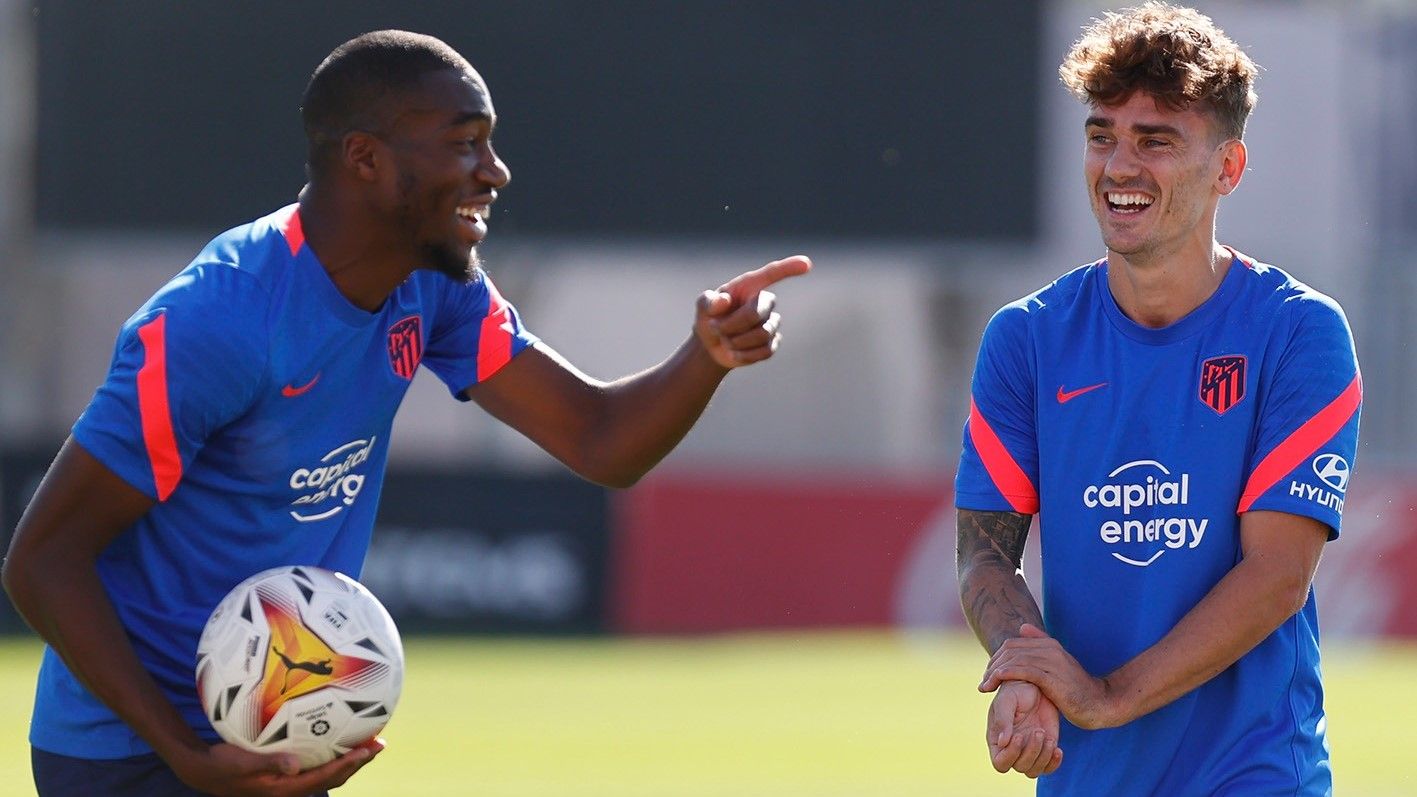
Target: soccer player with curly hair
[[1183, 419]]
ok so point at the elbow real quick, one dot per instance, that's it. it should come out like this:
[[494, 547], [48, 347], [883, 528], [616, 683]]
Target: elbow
[[17, 575], [13, 568], [614, 478], [1296, 596], [621, 481], [8, 577], [1290, 591], [603, 465]]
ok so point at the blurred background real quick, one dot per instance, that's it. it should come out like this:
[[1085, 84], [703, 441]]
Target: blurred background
[[923, 153]]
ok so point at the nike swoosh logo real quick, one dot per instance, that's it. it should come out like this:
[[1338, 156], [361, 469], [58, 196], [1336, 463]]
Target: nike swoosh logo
[[1065, 396], [291, 392]]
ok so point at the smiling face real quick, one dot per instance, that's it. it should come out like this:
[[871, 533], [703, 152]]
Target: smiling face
[[446, 174], [1155, 176]]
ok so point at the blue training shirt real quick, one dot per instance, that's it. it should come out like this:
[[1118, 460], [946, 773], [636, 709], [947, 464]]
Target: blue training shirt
[[1139, 449], [253, 402]]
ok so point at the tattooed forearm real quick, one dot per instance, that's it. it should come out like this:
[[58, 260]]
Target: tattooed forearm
[[989, 555]]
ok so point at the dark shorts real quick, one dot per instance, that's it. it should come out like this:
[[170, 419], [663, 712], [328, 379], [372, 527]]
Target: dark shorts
[[140, 776]]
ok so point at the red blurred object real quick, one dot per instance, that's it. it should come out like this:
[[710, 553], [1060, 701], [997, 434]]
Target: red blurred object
[[696, 553]]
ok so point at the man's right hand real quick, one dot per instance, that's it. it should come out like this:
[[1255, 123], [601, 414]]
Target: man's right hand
[[1023, 730], [230, 771]]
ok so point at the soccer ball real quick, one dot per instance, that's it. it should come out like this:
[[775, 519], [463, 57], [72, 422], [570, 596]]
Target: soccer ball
[[299, 660]]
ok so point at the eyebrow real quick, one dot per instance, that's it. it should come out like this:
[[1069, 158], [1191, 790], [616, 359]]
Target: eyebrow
[[472, 116], [1144, 130]]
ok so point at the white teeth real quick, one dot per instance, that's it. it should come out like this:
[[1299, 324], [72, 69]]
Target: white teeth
[[1118, 198], [472, 214]]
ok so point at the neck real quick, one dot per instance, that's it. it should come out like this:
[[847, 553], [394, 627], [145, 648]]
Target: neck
[[1158, 292], [352, 246]]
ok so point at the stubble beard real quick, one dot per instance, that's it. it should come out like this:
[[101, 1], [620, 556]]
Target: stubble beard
[[451, 262], [447, 259]]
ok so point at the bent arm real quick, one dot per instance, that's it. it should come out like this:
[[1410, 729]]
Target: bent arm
[[1280, 553], [51, 577], [992, 590], [1268, 586], [611, 433]]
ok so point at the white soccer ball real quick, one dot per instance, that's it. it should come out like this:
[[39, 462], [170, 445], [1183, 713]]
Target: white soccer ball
[[300, 660]]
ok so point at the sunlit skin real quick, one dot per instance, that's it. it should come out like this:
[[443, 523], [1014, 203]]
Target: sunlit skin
[[445, 161], [1163, 259], [1155, 176], [410, 188], [434, 157]]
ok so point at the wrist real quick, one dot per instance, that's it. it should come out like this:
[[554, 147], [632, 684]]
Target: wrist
[[702, 356], [1115, 707], [183, 755]]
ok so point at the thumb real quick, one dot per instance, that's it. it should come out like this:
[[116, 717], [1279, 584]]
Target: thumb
[[1031, 631], [1001, 727], [715, 303]]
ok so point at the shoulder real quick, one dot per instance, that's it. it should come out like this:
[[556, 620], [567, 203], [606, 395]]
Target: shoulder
[[1049, 304], [1295, 304], [210, 299], [236, 273], [221, 301]]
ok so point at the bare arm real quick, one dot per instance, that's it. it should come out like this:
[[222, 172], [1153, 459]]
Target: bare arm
[[1267, 587], [612, 433], [51, 576], [1022, 726], [989, 558]]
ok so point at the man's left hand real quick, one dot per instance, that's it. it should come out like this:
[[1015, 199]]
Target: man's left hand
[[1035, 657]]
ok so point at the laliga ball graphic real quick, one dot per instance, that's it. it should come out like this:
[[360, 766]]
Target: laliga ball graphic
[[299, 660]]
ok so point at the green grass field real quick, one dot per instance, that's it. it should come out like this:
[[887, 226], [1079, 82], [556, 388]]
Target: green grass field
[[821, 715]]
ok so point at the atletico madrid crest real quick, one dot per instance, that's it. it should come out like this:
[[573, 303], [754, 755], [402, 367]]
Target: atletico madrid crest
[[406, 346], [1223, 382]]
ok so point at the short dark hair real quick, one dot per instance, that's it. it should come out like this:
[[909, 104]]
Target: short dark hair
[[1173, 53], [347, 90]]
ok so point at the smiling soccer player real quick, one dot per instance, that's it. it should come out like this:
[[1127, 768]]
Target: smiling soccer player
[[245, 420], [1182, 418]]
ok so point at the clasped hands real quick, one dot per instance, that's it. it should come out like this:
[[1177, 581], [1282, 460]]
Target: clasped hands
[[1036, 680]]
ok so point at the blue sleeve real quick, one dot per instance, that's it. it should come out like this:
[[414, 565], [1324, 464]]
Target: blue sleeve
[[998, 468], [1308, 424], [186, 364], [476, 333]]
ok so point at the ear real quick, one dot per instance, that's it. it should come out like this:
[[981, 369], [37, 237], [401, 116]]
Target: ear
[[1233, 157], [362, 154]]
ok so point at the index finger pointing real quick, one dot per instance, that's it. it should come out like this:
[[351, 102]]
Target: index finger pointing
[[751, 282]]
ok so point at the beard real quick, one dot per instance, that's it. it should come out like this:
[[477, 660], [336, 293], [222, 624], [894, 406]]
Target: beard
[[451, 261], [448, 259]]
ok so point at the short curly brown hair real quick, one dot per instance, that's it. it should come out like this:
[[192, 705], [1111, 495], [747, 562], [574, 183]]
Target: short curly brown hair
[[1175, 54]]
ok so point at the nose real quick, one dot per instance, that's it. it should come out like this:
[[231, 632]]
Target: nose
[[1123, 164], [492, 171]]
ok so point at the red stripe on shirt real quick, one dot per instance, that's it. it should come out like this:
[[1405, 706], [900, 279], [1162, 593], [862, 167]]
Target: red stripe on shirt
[[494, 348], [153, 408], [1008, 477], [1304, 441], [293, 230]]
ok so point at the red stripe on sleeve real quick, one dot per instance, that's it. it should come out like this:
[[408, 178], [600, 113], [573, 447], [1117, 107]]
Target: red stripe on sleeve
[[293, 230], [1008, 477], [152, 406], [1305, 440], [494, 348]]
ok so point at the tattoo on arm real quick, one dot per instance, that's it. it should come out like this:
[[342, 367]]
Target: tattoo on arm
[[989, 555]]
